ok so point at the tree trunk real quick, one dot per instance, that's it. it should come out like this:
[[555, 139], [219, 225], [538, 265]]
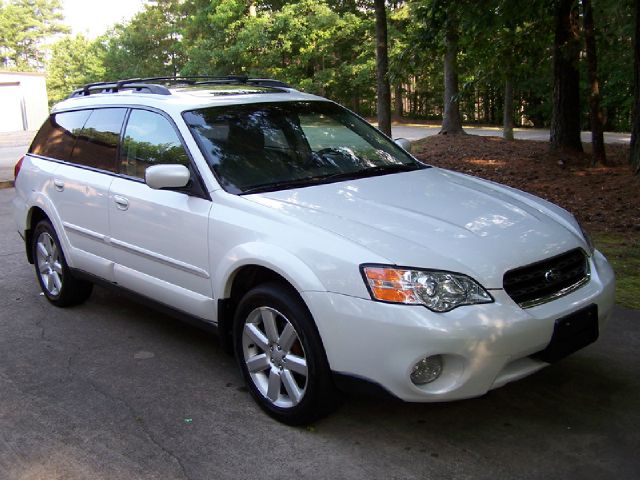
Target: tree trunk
[[634, 154], [507, 115], [382, 68], [595, 112], [397, 110], [565, 118], [252, 9], [486, 105], [451, 119], [492, 108]]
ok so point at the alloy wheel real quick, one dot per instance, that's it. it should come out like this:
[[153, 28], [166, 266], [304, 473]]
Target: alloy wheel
[[49, 264], [274, 357]]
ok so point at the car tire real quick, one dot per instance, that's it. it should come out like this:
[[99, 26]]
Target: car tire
[[281, 355], [56, 280]]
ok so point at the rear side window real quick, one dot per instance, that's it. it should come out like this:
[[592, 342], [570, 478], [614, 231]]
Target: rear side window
[[149, 139], [97, 143], [56, 137]]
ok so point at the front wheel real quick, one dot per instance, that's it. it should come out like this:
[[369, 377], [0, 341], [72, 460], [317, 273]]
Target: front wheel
[[281, 356], [55, 278]]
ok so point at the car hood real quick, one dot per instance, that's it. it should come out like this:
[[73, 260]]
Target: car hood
[[437, 219]]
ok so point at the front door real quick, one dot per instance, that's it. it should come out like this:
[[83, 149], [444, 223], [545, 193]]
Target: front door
[[160, 237]]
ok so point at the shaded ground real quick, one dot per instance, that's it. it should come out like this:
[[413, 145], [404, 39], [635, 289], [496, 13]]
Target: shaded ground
[[604, 199], [113, 390]]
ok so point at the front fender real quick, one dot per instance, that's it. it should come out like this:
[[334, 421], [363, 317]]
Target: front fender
[[284, 263]]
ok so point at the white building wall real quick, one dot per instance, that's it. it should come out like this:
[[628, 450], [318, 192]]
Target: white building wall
[[23, 101]]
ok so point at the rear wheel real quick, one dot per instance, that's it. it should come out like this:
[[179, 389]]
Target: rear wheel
[[55, 278], [281, 356]]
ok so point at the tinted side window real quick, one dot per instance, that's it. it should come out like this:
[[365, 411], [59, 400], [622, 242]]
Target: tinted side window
[[149, 140], [97, 144], [56, 137]]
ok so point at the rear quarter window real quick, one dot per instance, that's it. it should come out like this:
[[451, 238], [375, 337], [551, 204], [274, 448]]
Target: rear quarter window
[[57, 136], [97, 143]]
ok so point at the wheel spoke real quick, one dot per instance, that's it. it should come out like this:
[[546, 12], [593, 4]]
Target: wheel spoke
[[57, 267], [50, 245], [43, 267], [269, 321], [258, 338], [48, 282], [291, 387], [57, 281], [258, 363], [296, 364], [273, 390], [287, 338], [42, 250]]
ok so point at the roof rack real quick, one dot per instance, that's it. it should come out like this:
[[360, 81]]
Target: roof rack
[[149, 85]]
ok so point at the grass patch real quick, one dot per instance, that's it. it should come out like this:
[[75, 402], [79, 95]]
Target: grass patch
[[624, 255]]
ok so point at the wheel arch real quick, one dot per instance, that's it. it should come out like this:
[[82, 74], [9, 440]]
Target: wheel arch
[[41, 208], [34, 216], [252, 265]]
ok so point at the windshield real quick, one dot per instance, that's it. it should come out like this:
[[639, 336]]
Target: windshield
[[273, 146]]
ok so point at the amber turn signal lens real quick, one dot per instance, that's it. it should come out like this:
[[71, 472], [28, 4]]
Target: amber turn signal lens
[[389, 285]]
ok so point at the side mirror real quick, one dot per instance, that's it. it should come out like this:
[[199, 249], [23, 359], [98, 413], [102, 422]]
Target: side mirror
[[167, 176], [403, 143]]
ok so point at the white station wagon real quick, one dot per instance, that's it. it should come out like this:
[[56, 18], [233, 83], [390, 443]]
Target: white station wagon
[[326, 256]]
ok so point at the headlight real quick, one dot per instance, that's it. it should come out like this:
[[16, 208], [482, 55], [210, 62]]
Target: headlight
[[437, 290], [587, 238]]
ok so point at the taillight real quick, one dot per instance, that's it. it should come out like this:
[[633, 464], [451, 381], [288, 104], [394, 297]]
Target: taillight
[[16, 169]]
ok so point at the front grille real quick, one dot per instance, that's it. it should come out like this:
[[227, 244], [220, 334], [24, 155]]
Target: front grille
[[543, 281]]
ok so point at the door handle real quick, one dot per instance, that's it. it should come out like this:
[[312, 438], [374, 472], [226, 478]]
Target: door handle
[[121, 202], [58, 184]]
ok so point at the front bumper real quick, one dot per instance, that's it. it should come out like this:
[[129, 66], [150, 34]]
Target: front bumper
[[483, 346]]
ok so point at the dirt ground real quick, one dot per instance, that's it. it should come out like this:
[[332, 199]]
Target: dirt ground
[[604, 199]]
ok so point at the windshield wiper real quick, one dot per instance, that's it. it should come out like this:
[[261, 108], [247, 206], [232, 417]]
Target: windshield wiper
[[269, 187], [384, 169], [333, 177]]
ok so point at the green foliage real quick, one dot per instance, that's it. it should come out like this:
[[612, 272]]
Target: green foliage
[[614, 32], [328, 47], [149, 45], [624, 255], [74, 62], [305, 43], [25, 26]]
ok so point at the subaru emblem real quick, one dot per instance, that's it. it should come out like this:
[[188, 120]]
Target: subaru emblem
[[552, 276]]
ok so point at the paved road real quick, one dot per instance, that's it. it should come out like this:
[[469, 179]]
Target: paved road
[[415, 132], [13, 146], [113, 390]]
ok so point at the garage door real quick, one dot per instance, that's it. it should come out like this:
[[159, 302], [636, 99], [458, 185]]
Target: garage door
[[11, 116]]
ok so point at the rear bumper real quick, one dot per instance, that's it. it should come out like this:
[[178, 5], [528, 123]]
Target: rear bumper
[[483, 346]]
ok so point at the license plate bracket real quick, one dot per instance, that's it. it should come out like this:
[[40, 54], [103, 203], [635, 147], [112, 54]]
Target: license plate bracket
[[571, 333]]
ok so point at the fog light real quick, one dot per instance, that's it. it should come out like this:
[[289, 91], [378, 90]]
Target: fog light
[[426, 370]]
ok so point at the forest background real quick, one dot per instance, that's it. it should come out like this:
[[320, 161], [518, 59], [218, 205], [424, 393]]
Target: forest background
[[565, 65]]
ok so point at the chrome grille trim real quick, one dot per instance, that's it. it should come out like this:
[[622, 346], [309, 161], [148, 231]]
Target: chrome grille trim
[[548, 279]]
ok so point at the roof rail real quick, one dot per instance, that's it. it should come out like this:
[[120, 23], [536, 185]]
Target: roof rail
[[137, 84], [240, 79], [149, 85]]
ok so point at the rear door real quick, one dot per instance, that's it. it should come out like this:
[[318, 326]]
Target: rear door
[[160, 237], [81, 189]]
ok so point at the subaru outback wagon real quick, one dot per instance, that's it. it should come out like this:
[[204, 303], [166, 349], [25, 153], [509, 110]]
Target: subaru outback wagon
[[326, 256]]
